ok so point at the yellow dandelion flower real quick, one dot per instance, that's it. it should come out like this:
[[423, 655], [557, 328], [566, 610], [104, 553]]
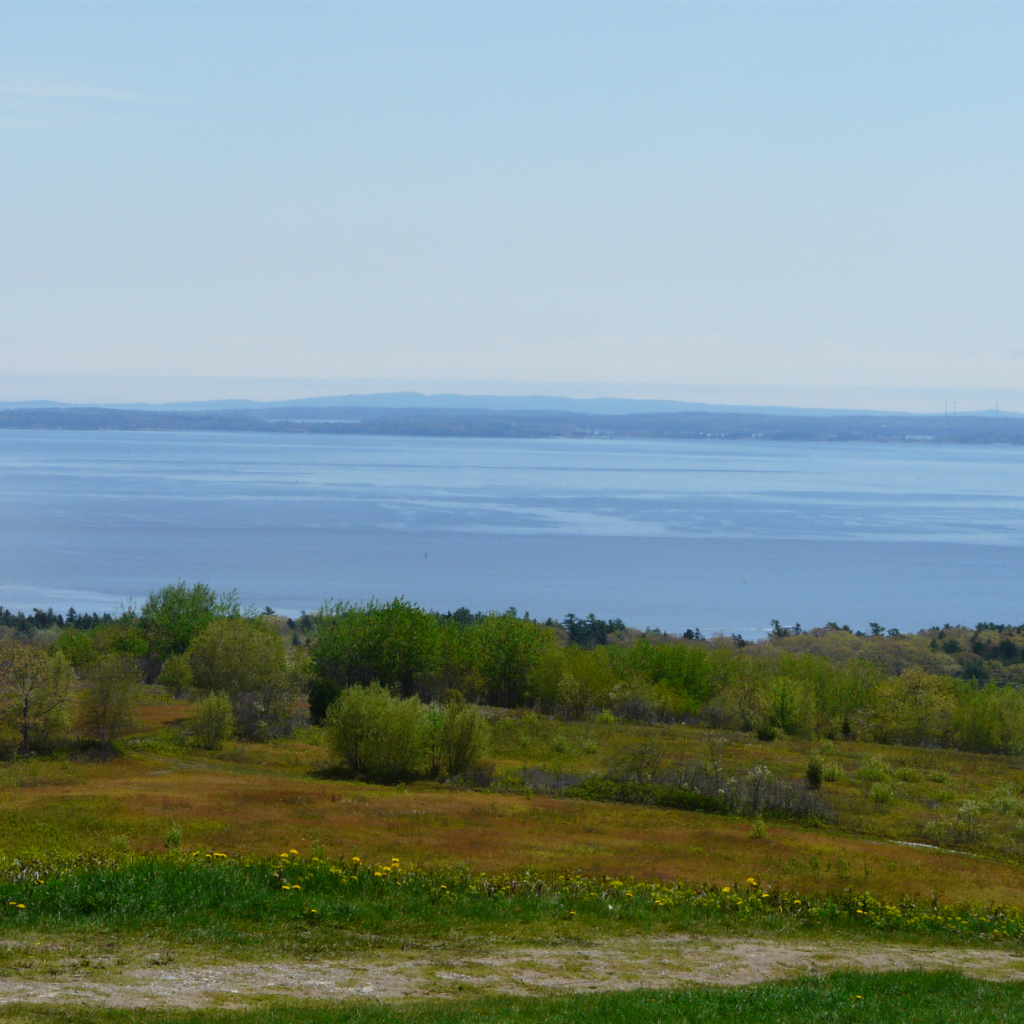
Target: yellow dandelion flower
[[21, 906], [377, 874], [294, 853], [285, 886], [296, 886], [752, 881], [726, 889]]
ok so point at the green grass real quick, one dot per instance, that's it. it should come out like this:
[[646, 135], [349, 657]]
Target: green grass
[[216, 900], [896, 998]]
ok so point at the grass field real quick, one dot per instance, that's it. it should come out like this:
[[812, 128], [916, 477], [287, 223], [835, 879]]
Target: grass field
[[260, 798], [134, 818]]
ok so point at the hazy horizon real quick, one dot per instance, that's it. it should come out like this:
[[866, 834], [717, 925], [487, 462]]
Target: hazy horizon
[[112, 390]]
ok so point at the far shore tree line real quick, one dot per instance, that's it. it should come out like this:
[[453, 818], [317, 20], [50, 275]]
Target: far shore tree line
[[397, 687]]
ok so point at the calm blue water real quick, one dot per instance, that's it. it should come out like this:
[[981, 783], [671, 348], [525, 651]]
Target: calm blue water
[[723, 535]]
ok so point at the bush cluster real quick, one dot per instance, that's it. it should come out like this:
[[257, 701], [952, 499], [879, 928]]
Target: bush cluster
[[378, 735]]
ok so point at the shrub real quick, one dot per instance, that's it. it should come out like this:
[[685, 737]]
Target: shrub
[[881, 793], [176, 675], [453, 737], [111, 696], [874, 769], [968, 822], [815, 775], [639, 762], [575, 697], [636, 700], [375, 734], [965, 828], [831, 771], [1004, 801], [212, 721], [759, 830]]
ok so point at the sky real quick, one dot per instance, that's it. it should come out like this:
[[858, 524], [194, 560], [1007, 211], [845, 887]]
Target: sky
[[790, 203]]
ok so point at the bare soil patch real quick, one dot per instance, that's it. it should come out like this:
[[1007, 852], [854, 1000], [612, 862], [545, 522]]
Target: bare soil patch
[[668, 962]]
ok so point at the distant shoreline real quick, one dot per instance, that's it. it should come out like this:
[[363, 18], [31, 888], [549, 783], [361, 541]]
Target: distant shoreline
[[529, 423]]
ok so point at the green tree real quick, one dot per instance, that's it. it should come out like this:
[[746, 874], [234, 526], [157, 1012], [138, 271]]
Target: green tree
[[111, 696], [78, 646], [508, 649], [37, 693], [174, 616], [789, 706], [450, 665], [359, 644], [914, 707], [246, 660]]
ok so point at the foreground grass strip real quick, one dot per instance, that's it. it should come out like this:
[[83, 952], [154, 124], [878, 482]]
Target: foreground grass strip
[[213, 897], [894, 998]]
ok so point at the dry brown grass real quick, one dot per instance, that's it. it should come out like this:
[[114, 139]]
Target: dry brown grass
[[244, 809], [263, 798]]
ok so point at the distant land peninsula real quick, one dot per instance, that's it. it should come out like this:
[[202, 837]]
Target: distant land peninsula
[[535, 417]]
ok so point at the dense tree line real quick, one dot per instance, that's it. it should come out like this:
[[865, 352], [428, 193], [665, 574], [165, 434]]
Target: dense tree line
[[42, 620], [254, 672]]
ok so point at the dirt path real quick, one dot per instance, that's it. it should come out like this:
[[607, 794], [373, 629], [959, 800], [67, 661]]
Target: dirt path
[[617, 964]]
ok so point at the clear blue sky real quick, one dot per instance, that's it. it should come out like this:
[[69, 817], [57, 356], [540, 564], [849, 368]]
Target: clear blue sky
[[668, 197]]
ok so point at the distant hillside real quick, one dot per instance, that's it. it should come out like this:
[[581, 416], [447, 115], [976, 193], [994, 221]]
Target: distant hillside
[[343, 419]]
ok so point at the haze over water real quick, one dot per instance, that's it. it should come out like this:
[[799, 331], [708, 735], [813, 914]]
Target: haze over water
[[720, 535]]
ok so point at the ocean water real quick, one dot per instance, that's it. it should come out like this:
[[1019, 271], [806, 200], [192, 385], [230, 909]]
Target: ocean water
[[710, 534]]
